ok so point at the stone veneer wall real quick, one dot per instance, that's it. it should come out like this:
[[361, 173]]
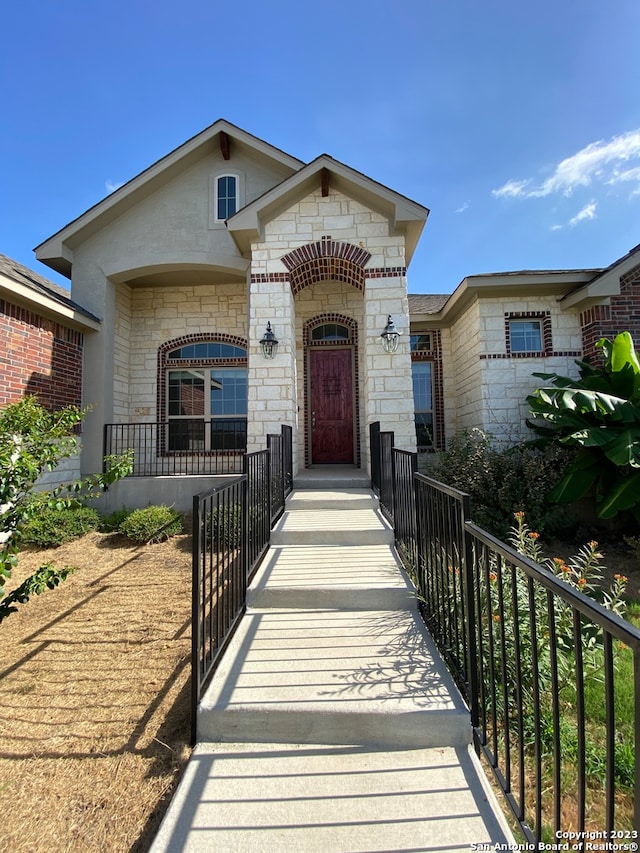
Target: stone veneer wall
[[507, 378], [161, 314], [385, 391], [462, 375]]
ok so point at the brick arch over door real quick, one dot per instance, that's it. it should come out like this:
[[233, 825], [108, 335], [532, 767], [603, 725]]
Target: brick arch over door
[[326, 260], [184, 340], [352, 342]]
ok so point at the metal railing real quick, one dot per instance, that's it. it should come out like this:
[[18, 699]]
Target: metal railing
[[231, 529], [551, 676], [182, 446]]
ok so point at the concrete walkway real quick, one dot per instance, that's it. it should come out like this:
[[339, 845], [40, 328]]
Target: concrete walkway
[[332, 723]]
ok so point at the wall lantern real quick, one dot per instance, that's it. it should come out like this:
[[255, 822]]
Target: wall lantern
[[390, 336], [269, 343]]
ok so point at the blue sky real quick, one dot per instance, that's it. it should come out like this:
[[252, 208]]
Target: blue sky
[[516, 123]]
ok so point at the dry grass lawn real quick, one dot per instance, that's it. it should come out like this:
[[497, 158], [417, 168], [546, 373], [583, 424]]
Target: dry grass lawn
[[95, 698]]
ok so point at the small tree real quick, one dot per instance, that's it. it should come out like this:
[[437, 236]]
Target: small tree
[[599, 415], [33, 441]]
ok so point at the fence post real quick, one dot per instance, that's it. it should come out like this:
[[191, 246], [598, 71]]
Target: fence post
[[470, 605], [196, 547], [374, 448]]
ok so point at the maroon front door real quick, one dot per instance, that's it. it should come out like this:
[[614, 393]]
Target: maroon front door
[[331, 406]]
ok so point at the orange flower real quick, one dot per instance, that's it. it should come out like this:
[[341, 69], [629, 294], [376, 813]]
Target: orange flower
[[581, 582], [518, 514], [534, 536], [496, 617], [493, 577], [621, 578]]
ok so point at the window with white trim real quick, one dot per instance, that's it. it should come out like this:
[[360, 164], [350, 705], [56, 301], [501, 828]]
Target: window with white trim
[[226, 196], [525, 336]]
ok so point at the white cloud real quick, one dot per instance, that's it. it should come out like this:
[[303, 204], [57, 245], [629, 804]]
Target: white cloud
[[598, 162], [111, 186], [511, 189], [556, 227], [463, 207], [587, 212]]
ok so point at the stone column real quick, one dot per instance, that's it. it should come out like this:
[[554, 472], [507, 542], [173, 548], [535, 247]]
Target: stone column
[[271, 382], [388, 392]]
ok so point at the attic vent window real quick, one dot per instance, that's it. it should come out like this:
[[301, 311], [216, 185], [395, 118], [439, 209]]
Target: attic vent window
[[226, 197]]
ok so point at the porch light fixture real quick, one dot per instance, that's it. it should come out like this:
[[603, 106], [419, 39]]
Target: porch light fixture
[[390, 336], [269, 343]]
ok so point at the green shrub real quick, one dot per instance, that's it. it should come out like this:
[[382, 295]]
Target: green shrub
[[502, 481], [51, 526], [111, 522], [224, 525], [152, 524]]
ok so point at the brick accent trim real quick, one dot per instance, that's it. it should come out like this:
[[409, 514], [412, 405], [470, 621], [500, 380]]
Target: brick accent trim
[[434, 355], [385, 272], [326, 260], [350, 343], [547, 339]]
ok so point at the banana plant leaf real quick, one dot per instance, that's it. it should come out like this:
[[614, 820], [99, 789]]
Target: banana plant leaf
[[577, 482], [624, 495]]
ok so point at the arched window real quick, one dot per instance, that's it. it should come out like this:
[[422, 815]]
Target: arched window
[[206, 396], [330, 332]]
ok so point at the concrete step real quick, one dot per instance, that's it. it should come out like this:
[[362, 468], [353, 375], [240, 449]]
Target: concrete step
[[333, 499], [261, 798], [332, 477], [332, 526], [365, 577], [336, 677]]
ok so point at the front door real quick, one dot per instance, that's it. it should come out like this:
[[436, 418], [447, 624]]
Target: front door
[[331, 406]]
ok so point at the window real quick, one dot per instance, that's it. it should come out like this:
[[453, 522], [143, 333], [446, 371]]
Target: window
[[226, 196], [423, 403], [420, 343], [330, 332], [206, 403], [525, 336]]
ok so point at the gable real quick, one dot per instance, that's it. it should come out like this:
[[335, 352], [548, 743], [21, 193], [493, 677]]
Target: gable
[[221, 143]]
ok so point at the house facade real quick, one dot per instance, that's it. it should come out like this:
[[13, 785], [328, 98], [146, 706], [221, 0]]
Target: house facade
[[200, 264], [42, 334]]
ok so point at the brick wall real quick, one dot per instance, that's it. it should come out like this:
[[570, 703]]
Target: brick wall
[[621, 315], [38, 356]]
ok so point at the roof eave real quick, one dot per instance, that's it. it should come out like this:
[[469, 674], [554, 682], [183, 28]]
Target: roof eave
[[48, 306]]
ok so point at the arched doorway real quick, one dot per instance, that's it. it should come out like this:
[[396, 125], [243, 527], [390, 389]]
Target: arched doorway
[[331, 392]]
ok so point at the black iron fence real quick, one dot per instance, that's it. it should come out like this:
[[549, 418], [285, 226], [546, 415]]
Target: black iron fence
[[551, 676], [231, 528], [181, 446]]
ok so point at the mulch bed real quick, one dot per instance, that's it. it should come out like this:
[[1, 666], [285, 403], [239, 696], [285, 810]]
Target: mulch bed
[[94, 685]]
